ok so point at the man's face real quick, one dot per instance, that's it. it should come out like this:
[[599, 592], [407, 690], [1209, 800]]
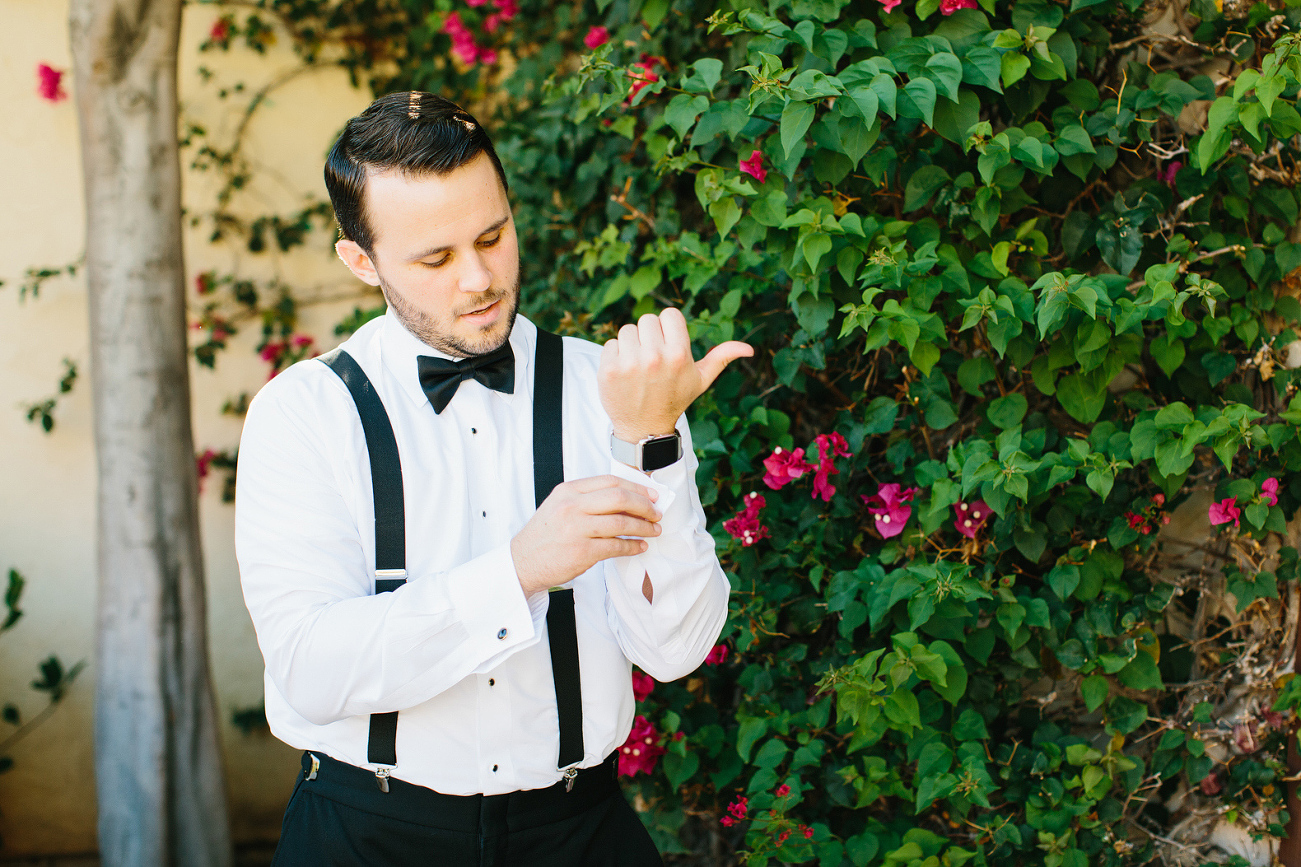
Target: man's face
[[445, 255]]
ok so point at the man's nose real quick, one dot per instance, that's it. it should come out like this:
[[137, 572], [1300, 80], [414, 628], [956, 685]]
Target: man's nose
[[475, 276]]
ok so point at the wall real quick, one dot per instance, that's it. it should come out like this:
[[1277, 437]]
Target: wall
[[47, 508]]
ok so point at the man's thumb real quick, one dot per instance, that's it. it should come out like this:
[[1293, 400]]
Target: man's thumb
[[720, 357]]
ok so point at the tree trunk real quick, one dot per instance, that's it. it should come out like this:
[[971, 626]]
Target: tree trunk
[[157, 759]]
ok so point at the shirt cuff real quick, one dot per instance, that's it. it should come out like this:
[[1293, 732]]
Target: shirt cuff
[[490, 603], [665, 482]]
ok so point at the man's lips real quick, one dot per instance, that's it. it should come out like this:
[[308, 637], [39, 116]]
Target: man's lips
[[480, 311]]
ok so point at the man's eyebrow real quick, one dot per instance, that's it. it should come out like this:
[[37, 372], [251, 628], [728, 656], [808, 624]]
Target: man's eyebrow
[[434, 251]]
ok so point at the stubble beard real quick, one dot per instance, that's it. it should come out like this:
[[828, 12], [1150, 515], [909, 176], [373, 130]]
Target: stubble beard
[[429, 331]]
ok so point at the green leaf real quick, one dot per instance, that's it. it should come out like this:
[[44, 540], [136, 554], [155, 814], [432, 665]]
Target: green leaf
[[880, 415], [1006, 412], [795, 121], [1141, 673], [1094, 691], [923, 184], [945, 70], [1168, 352], [1080, 398], [682, 112], [983, 66], [918, 100], [679, 769], [1014, 68], [1063, 579]]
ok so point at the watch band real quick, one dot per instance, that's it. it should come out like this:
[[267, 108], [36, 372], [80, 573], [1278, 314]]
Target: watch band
[[649, 454]]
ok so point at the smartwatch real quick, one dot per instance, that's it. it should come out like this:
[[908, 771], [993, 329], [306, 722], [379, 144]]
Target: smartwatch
[[651, 453]]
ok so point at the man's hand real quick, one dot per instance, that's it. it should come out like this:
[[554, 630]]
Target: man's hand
[[648, 377], [579, 525]]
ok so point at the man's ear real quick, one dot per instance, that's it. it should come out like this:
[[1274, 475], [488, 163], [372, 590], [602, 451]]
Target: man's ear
[[358, 261]]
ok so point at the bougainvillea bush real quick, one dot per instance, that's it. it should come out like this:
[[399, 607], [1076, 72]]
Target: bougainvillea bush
[[1004, 493]]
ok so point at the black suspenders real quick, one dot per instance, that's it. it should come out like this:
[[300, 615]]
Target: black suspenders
[[390, 537]]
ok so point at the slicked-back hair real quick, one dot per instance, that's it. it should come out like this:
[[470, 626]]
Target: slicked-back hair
[[411, 132]]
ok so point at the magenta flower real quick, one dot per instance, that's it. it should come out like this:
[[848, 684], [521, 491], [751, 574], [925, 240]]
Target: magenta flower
[[971, 517], [50, 86], [745, 526], [641, 750], [1167, 174], [1269, 491], [888, 509], [509, 8], [754, 167], [783, 467], [889, 4], [717, 655], [221, 28], [642, 685], [828, 445], [596, 37], [642, 76], [1225, 511], [948, 7]]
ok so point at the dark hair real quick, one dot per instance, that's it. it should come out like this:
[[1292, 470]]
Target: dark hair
[[413, 132]]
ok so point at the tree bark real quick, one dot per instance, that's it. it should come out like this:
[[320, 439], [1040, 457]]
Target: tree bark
[[162, 798]]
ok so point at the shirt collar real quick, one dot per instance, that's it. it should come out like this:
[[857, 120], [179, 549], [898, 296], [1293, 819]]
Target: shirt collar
[[399, 349]]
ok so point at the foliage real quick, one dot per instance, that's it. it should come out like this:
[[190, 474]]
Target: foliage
[[53, 679], [1022, 277]]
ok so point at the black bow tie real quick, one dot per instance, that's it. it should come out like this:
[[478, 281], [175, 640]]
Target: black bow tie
[[441, 378]]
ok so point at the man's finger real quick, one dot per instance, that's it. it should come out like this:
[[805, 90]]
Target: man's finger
[[719, 358], [596, 483], [674, 326]]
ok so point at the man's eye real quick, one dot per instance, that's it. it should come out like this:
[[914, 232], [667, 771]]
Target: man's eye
[[440, 263], [490, 242]]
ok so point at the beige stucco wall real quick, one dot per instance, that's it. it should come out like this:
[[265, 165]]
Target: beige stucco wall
[[47, 497]]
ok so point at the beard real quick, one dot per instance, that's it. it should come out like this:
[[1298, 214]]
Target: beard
[[437, 335]]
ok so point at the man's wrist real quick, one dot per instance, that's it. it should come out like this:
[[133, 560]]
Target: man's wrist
[[648, 453]]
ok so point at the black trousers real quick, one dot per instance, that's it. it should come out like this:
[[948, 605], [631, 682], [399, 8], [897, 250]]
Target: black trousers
[[342, 819]]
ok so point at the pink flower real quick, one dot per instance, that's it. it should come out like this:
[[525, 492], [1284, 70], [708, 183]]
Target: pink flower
[[782, 791], [828, 444], [745, 526], [203, 462], [487, 56], [1167, 174], [596, 37], [889, 4], [782, 467], [642, 685], [948, 7], [203, 283], [727, 821], [971, 517], [1269, 491], [888, 509], [781, 838], [641, 750], [221, 28], [474, 4], [301, 340], [754, 167], [807, 831], [51, 83], [1135, 520], [1225, 511], [641, 76], [1158, 499], [717, 655], [272, 351], [509, 8], [493, 22], [740, 807], [1210, 784]]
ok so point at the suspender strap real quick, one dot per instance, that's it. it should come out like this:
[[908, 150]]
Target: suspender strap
[[549, 471], [390, 518], [390, 530]]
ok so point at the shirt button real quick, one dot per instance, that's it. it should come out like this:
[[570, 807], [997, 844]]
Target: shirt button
[[474, 430], [492, 681], [494, 769], [485, 514], [501, 633]]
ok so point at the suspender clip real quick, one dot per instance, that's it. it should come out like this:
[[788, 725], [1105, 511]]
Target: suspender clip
[[570, 773], [316, 766], [399, 574], [381, 777]]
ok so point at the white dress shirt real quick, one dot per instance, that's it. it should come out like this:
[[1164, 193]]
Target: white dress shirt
[[458, 650]]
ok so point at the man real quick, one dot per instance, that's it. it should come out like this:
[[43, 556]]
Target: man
[[436, 718]]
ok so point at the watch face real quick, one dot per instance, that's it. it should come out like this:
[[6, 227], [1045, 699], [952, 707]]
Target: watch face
[[660, 452]]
